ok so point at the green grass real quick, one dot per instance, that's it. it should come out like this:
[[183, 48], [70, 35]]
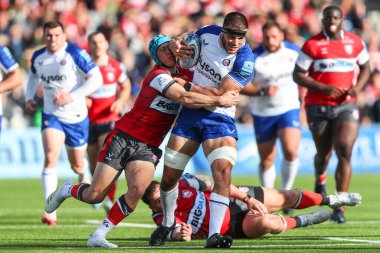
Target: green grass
[[21, 206]]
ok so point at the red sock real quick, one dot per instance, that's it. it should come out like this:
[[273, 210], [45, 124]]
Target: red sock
[[111, 193], [321, 179], [119, 211], [290, 223], [309, 199], [77, 190]]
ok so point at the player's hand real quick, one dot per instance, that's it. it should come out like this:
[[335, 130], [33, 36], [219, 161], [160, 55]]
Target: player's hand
[[88, 102], [229, 98], [117, 106], [335, 92], [62, 98], [186, 231], [353, 92], [255, 205], [30, 106], [179, 47]]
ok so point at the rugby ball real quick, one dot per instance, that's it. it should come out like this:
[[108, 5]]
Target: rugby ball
[[194, 42]]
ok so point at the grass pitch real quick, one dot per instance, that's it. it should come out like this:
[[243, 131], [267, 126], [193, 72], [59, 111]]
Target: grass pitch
[[21, 207]]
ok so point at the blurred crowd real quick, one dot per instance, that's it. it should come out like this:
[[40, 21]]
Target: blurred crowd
[[129, 25]]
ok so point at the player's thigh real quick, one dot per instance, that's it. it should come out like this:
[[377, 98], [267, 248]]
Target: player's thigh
[[345, 134], [213, 144], [76, 156], [183, 145], [139, 174], [53, 140], [290, 139], [92, 153], [267, 150]]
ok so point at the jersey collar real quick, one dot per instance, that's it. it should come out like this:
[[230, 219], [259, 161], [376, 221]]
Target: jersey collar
[[328, 38]]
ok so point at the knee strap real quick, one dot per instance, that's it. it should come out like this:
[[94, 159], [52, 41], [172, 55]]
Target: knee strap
[[175, 159], [226, 152]]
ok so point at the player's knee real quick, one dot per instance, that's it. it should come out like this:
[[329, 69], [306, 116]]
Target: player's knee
[[343, 152], [175, 159], [272, 224], [225, 156], [136, 190]]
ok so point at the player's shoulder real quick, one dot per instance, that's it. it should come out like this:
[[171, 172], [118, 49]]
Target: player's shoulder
[[38, 52], [291, 46], [245, 53], [258, 51], [350, 35], [209, 29]]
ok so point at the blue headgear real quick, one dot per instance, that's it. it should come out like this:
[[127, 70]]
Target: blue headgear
[[154, 44]]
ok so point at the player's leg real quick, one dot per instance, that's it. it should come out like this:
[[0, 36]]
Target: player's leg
[[178, 152], [265, 132], [76, 144], [52, 139], [321, 130], [222, 154], [289, 134], [346, 128], [93, 147], [139, 175]]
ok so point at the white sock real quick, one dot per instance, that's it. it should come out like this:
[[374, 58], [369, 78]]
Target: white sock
[[104, 228], [289, 171], [169, 204], [267, 177], [218, 208], [49, 180], [85, 176]]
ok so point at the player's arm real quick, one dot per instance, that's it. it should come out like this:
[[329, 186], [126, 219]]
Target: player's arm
[[252, 89], [124, 95], [301, 76], [31, 89], [363, 77], [199, 182], [11, 80], [252, 204], [197, 100]]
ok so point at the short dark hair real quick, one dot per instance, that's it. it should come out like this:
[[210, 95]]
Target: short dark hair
[[148, 192], [53, 24], [236, 20], [271, 23], [332, 8], [95, 33]]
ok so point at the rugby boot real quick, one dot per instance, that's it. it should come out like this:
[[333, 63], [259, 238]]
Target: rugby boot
[[316, 217], [344, 199], [56, 198], [98, 241], [159, 235], [338, 215], [219, 241]]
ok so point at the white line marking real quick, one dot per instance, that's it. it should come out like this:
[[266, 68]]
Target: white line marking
[[350, 240], [277, 246], [124, 224]]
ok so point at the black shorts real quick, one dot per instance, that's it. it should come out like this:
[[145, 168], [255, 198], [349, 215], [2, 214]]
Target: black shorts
[[120, 148], [98, 129], [239, 210], [320, 116]]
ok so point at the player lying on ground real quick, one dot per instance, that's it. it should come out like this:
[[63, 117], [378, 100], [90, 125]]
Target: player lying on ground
[[242, 220]]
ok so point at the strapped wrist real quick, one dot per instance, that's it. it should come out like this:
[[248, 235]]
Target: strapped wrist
[[263, 91], [246, 198]]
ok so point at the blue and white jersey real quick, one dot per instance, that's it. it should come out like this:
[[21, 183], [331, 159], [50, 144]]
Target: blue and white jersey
[[7, 64], [70, 69], [276, 68], [215, 63]]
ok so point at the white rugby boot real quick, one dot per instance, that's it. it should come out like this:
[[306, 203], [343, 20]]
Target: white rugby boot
[[99, 241], [56, 198], [344, 199]]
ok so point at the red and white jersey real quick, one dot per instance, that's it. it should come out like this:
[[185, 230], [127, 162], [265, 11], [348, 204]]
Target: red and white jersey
[[114, 74], [153, 114], [332, 62], [193, 208]]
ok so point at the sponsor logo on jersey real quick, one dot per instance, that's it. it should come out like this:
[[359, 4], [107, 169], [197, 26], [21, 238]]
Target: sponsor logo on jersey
[[204, 42], [54, 78], [198, 212], [334, 65], [247, 68], [226, 62], [110, 76], [187, 194], [208, 69], [349, 49], [165, 105]]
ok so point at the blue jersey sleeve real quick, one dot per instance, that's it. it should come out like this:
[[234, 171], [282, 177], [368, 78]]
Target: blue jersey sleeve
[[243, 70], [292, 46], [6, 59], [34, 56], [81, 58]]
